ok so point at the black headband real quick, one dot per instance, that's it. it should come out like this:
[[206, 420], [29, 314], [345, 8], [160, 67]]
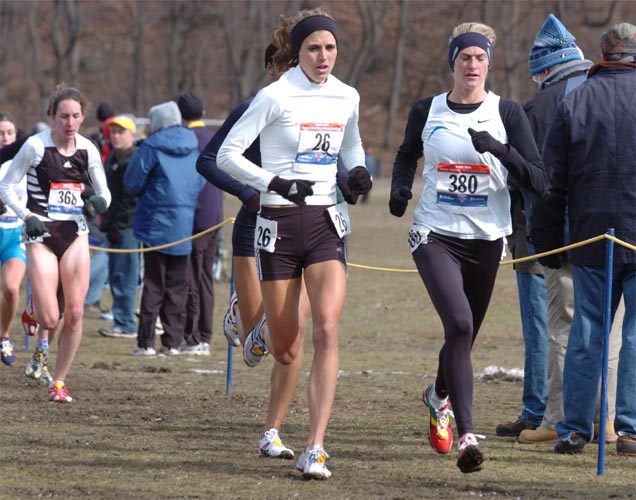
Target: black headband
[[466, 40], [307, 26]]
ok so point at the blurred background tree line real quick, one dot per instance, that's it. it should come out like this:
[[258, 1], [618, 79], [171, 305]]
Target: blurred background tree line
[[137, 53]]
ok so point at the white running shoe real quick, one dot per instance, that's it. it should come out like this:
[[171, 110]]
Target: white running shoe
[[229, 323], [201, 349], [144, 351], [255, 350], [270, 445], [313, 463], [469, 458]]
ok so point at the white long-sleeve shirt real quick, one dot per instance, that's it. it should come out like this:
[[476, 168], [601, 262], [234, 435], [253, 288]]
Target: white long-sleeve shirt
[[304, 127]]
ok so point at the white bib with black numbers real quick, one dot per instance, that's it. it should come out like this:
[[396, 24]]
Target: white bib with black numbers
[[265, 234], [463, 187], [318, 146], [65, 201], [339, 215]]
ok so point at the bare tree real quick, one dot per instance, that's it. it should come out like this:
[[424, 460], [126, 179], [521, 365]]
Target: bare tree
[[396, 83], [67, 15], [372, 16], [138, 56]]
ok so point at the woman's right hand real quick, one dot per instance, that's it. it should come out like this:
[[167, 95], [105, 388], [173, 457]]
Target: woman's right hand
[[399, 200], [34, 227], [294, 190]]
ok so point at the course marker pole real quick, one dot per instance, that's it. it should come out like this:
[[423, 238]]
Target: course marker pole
[[607, 323]]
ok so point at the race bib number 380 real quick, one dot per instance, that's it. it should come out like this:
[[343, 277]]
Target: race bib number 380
[[65, 201], [463, 186]]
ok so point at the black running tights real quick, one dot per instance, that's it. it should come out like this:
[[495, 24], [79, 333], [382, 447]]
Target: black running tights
[[459, 276]]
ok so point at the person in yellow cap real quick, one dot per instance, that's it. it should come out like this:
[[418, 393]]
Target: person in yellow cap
[[123, 268]]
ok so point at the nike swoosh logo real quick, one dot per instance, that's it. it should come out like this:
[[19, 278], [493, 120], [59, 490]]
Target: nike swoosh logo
[[486, 120]]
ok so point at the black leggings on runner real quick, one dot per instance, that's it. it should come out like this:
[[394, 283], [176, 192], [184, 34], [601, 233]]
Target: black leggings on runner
[[459, 276]]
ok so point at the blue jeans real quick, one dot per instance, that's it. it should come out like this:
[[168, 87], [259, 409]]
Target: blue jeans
[[583, 358], [98, 277], [123, 270], [533, 304]]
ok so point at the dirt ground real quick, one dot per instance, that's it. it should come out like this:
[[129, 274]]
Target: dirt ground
[[164, 428]]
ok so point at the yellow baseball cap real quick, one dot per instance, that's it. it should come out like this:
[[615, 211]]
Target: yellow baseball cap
[[124, 122]]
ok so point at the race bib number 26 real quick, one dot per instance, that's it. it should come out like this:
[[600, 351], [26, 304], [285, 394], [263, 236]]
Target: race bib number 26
[[265, 234]]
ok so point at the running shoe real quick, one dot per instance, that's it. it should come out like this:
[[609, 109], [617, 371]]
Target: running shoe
[[469, 458], [107, 315], [440, 432], [117, 332], [58, 392], [7, 354], [270, 445], [29, 323], [200, 349], [313, 463], [144, 351], [229, 323], [37, 368], [169, 351], [254, 350]]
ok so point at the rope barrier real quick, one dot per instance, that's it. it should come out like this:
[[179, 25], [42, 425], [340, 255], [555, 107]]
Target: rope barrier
[[373, 268], [167, 245]]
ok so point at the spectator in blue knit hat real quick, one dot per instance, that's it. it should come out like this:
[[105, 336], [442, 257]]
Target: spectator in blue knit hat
[[590, 160]]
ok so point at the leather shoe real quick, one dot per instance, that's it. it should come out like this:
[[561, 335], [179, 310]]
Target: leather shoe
[[626, 445], [539, 435], [610, 435], [574, 443], [513, 429]]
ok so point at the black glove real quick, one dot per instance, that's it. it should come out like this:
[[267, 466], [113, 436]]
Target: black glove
[[399, 200], [483, 142], [294, 190], [552, 261], [359, 180], [343, 185], [99, 203], [3, 207], [253, 203], [114, 236], [34, 227]]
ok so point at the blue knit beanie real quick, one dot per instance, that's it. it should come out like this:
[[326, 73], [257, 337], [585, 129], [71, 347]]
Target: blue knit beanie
[[554, 44]]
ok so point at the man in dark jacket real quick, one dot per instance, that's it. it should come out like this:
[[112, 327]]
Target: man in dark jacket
[[209, 213], [163, 174], [590, 158], [123, 268]]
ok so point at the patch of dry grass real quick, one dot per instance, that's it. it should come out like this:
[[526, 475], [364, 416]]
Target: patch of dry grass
[[164, 428]]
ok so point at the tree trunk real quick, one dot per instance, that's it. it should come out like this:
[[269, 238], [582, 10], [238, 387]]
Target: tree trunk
[[396, 84]]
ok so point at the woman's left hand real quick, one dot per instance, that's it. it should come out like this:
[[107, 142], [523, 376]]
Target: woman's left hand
[[359, 180], [483, 142]]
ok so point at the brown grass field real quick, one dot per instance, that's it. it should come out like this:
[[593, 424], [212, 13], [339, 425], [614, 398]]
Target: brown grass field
[[165, 428]]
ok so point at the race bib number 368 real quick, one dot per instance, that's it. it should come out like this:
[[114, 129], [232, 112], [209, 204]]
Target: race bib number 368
[[65, 201]]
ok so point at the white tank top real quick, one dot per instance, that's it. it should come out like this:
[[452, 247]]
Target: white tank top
[[465, 193]]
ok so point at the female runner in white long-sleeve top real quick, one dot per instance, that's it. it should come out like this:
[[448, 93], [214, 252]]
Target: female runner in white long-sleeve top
[[306, 120]]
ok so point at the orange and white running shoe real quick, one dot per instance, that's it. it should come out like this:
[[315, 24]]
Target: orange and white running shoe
[[58, 393], [440, 432]]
